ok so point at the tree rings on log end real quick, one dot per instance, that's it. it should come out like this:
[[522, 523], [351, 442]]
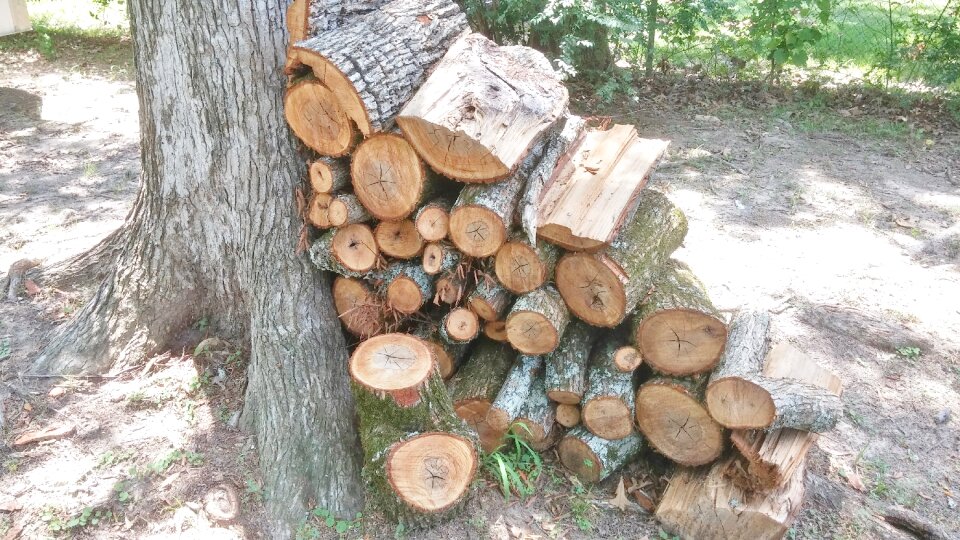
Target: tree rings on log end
[[608, 417], [388, 176], [355, 248], [519, 268], [454, 155], [568, 415], [318, 212], [404, 295], [677, 425], [577, 456], [433, 223], [432, 471], [592, 288], [627, 359], [496, 330], [398, 239], [740, 404], [477, 231], [681, 341], [531, 333], [359, 309], [316, 119], [564, 396], [461, 324], [321, 177], [474, 413], [331, 77], [391, 363]]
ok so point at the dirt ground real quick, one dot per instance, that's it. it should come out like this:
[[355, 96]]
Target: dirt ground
[[843, 232]]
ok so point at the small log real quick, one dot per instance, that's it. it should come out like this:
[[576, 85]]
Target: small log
[[740, 397], [448, 356], [607, 406], [398, 239], [701, 503], [602, 288], [676, 327], [489, 300], [593, 190], [440, 257], [535, 421], [406, 286], [348, 251], [496, 330], [360, 311], [451, 287], [514, 393], [537, 320], [482, 108], [419, 457], [592, 458], [568, 415], [388, 177], [318, 211], [568, 136], [671, 415], [346, 209], [374, 62], [566, 367], [522, 266], [460, 325], [433, 219], [315, 116], [475, 386], [328, 175]]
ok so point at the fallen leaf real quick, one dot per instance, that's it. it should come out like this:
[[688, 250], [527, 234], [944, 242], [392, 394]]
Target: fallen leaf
[[904, 222], [620, 500], [853, 478]]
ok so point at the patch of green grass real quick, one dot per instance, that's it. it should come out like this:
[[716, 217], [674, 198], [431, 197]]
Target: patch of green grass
[[194, 459], [909, 353], [114, 457], [5, 348], [11, 465], [253, 491], [57, 523], [515, 466], [581, 510], [319, 518]]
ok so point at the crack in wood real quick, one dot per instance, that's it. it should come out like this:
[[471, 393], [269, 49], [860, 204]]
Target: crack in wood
[[477, 230], [521, 266], [436, 471], [395, 358], [678, 341]]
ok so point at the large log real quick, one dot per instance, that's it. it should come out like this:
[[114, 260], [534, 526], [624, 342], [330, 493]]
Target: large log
[[607, 405], [566, 367], [522, 266], [475, 386], [328, 175], [405, 286], [388, 177], [372, 63], [482, 108], [772, 456], [307, 18], [346, 209], [489, 300], [671, 415], [676, 327], [433, 219], [703, 504], [360, 310], [348, 251], [537, 320], [592, 192], [593, 458], [315, 117], [740, 397], [514, 392], [602, 288], [535, 421], [419, 457], [398, 239]]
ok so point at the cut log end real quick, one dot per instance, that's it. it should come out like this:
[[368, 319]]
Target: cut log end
[[432, 258], [564, 396], [322, 177], [519, 268], [608, 417], [433, 223], [740, 404], [388, 177], [462, 325], [677, 425], [346, 209], [404, 295], [318, 212], [568, 415], [627, 359], [531, 332], [398, 239], [359, 309], [477, 231], [431, 472], [391, 363], [474, 413], [591, 288], [316, 118], [577, 456], [681, 341], [496, 330], [454, 155], [355, 247]]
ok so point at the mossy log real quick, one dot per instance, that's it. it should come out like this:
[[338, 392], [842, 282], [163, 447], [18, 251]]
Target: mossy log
[[593, 458], [388, 177], [406, 287], [671, 415], [482, 108], [676, 327], [346, 209], [348, 251], [555, 153], [374, 62], [537, 320], [535, 422], [602, 288], [419, 457], [459, 325], [489, 300], [608, 401], [398, 239], [566, 367], [439, 257], [515, 391], [433, 219], [475, 386], [522, 266], [359, 309]]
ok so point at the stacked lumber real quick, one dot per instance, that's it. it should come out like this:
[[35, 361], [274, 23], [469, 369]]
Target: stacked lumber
[[504, 269]]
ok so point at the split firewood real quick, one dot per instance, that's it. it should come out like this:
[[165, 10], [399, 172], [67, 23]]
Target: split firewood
[[388, 177], [398, 239], [701, 503], [676, 327], [772, 456], [515, 392], [489, 300], [405, 286], [522, 266], [460, 325], [671, 415], [360, 311], [440, 257], [535, 421], [740, 397], [568, 415], [537, 320], [419, 457], [572, 131], [496, 330], [346, 209], [328, 175], [566, 367], [593, 458], [318, 211], [482, 108], [372, 63], [433, 219], [593, 191], [348, 251], [602, 288], [475, 386], [448, 356], [607, 405], [316, 118]]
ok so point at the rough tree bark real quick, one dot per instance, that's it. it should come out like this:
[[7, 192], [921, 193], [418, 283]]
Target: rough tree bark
[[213, 232]]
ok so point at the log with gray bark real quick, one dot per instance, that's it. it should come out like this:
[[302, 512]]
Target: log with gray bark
[[566, 367], [593, 458], [606, 408], [536, 419], [537, 320], [489, 300], [523, 266], [346, 209], [476, 385], [671, 415], [348, 251], [328, 175], [433, 219], [405, 286], [515, 392]]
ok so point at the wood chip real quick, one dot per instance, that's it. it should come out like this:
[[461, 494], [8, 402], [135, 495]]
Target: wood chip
[[46, 434], [10, 505]]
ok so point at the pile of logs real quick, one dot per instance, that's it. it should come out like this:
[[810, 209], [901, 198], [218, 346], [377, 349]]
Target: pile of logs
[[504, 270]]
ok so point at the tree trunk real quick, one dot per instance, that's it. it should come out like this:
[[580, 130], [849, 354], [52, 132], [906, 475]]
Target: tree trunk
[[476, 385], [593, 458], [236, 258], [566, 367], [671, 415], [607, 407]]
